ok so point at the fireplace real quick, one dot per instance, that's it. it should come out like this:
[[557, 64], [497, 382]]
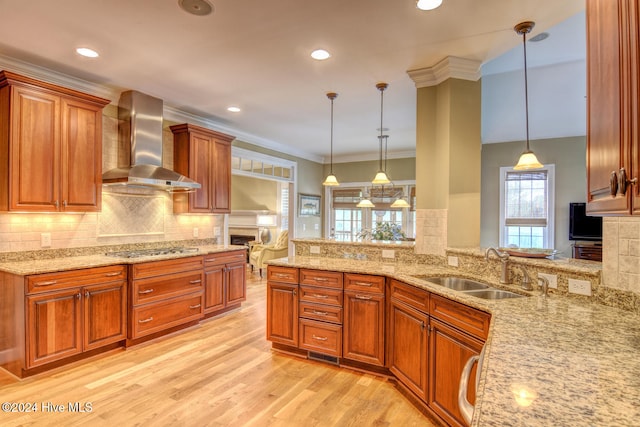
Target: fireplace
[[242, 240]]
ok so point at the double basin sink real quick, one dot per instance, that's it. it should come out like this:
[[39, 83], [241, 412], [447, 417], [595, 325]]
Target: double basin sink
[[470, 287]]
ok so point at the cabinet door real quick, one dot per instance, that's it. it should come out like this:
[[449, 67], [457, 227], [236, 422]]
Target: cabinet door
[[105, 314], [221, 177], [408, 347], [363, 327], [214, 278], [236, 284], [200, 162], [449, 351], [34, 151], [282, 313], [81, 156], [54, 327], [608, 103]]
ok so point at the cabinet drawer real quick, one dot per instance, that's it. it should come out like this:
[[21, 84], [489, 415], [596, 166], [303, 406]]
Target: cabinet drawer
[[410, 295], [159, 268], [329, 279], [364, 283], [321, 295], [326, 313], [325, 338], [162, 287], [465, 318], [87, 276], [165, 314], [282, 274], [224, 258]]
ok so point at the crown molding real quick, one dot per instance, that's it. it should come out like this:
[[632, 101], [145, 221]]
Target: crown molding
[[450, 67], [372, 156]]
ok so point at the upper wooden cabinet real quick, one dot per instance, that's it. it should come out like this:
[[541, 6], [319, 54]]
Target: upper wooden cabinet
[[50, 147], [203, 155], [613, 74]]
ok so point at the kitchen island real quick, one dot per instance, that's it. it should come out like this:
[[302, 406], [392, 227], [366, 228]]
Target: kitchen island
[[552, 360]]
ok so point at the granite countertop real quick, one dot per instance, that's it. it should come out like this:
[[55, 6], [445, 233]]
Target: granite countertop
[[548, 361], [38, 266]]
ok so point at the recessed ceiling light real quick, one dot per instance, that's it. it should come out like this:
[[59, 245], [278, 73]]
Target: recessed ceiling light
[[428, 4], [320, 54], [234, 109], [196, 7], [85, 51]]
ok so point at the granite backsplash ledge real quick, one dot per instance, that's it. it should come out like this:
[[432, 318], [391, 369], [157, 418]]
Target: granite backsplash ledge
[[99, 250], [471, 262]]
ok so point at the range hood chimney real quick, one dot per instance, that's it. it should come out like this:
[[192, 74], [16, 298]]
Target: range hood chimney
[[140, 148]]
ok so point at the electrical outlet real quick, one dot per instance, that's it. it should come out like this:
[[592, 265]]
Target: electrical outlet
[[551, 278], [582, 287], [388, 253], [45, 240], [452, 261], [216, 231], [314, 249], [195, 232]]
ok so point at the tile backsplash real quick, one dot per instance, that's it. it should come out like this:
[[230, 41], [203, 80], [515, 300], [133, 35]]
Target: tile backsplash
[[621, 253]]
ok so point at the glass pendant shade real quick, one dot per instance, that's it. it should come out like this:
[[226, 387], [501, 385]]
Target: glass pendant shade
[[428, 4], [331, 181], [400, 202], [365, 203], [528, 160], [381, 178]]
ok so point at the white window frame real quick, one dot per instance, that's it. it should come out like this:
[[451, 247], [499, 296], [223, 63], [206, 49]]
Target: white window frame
[[549, 236]]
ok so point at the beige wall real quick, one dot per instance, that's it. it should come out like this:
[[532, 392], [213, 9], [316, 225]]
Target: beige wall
[[249, 193], [397, 169]]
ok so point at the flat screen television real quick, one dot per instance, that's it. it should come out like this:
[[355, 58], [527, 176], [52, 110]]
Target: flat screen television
[[582, 226]]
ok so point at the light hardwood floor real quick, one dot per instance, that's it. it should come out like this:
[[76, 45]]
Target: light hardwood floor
[[219, 373]]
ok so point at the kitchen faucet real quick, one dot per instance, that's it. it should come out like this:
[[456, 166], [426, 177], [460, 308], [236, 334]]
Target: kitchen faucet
[[504, 259], [526, 281]]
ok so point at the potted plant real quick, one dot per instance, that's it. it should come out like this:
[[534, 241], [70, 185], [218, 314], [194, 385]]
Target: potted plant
[[383, 231]]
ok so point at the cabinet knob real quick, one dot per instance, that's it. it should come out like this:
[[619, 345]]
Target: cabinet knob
[[86, 294], [64, 203], [56, 204], [613, 183], [624, 183], [79, 295]]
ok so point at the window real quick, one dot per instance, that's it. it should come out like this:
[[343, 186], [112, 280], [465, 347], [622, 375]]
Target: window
[[527, 206], [347, 220], [284, 206]]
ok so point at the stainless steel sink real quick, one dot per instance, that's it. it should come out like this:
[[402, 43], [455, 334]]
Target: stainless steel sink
[[456, 283], [493, 294]]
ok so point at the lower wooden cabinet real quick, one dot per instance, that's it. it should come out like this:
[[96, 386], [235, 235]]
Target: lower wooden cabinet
[[321, 337], [282, 313], [68, 321], [408, 346], [450, 349], [224, 281], [364, 327]]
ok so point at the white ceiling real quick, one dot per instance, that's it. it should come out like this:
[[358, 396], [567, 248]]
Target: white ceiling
[[255, 54]]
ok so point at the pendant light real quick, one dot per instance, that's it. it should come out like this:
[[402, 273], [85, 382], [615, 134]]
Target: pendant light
[[400, 202], [381, 177], [527, 160], [365, 202], [331, 180]]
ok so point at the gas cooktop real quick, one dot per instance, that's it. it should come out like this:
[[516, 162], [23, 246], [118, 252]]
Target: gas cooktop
[[152, 252]]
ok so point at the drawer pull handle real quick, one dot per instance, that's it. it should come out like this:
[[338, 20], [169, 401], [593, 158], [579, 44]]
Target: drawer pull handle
[[363, 284], [320, 313], [147, 291], [195, 306], [363, 297], [320, 296], [49, 283], [146, 320], [210, 259], [282, 276], [117, 273], [193, 282], [315, 337], [320, 279]]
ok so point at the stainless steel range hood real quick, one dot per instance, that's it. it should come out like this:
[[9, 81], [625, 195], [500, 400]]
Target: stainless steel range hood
[[140, 148]]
